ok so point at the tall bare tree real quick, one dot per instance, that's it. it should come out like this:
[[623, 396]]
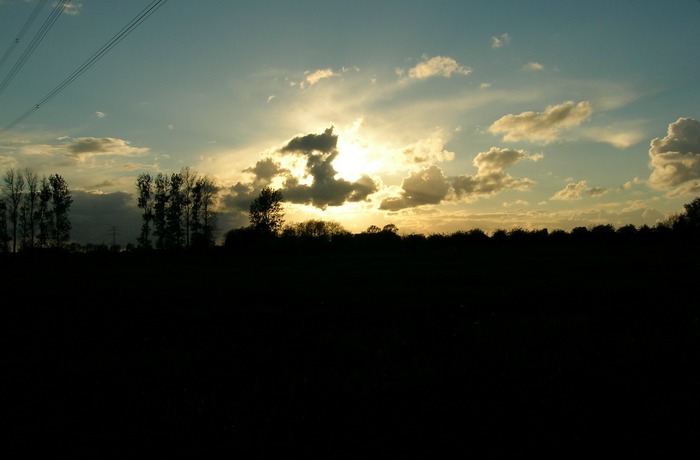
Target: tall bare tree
[[13, 191], [160, 203], [4, 238], [29, 208], [173, 216], [204, 196], [144, 183], [44, 216], [189, 180], [61, 202]]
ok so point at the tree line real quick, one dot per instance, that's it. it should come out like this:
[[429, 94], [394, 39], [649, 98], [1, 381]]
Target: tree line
[[179, 211], [267, 229], [34, 212]]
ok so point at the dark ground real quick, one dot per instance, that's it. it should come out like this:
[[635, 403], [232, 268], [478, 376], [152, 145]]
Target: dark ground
[[513, 351]]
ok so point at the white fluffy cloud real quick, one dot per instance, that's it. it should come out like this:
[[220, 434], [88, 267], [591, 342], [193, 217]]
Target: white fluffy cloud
[[431, 186], [675, 158], [542, 126], [438, 66]]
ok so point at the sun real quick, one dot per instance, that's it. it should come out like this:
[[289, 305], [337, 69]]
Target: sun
[[355, 158]]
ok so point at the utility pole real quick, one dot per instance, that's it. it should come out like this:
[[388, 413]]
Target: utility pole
[[114, 235]]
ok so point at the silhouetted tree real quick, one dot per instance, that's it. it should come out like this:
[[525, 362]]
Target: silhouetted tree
[[178, 210], [61, 202], [174, 209], [687, 224], [499, 236], [315, 233], [12, 195], [203, 217], [160, 203], [602, 234], [391, 228], [266, 212], [626, 233], [189, 179], [239, 239], [4, 238], [29, 210], [144, 184], [692, 213], [44, 216], [375, 238]]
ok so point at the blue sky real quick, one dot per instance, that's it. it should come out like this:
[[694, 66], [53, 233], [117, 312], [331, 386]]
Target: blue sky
[[435, 116]]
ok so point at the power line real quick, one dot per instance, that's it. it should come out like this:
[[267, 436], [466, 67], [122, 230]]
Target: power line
[[26, 26], [48, 23], [126, 30]]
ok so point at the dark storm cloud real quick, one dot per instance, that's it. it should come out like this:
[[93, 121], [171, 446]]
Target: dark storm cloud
[[104, 218], [239, 196]]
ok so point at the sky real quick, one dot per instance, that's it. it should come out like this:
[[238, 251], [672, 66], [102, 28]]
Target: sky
[[435, 116]]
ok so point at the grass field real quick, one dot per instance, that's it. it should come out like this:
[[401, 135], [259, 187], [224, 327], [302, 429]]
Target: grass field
[[499, 350]]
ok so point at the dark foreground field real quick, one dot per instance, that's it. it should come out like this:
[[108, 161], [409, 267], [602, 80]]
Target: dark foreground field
[[490, 350]]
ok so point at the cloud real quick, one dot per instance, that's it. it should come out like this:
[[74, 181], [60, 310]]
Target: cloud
[[501, 40], [427, 186], [437, 66], [100, 115], [431, 186], [87, 147], [307, 144], [574, 191], [427, 150], [104, 217], [314, 183], [314, 77], [490, 178], [264, 172], [533, 66], [675, 158], [73, 9], [542, 126], [620, 137]]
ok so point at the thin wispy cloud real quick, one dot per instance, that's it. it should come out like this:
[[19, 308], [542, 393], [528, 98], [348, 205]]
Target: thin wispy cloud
[[499, 41]]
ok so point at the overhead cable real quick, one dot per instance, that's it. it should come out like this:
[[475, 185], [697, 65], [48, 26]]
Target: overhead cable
[[48, 23], [21, 33], [126, 30]]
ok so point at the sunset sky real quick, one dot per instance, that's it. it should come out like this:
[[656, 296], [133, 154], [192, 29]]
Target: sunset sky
[[435, 116]]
